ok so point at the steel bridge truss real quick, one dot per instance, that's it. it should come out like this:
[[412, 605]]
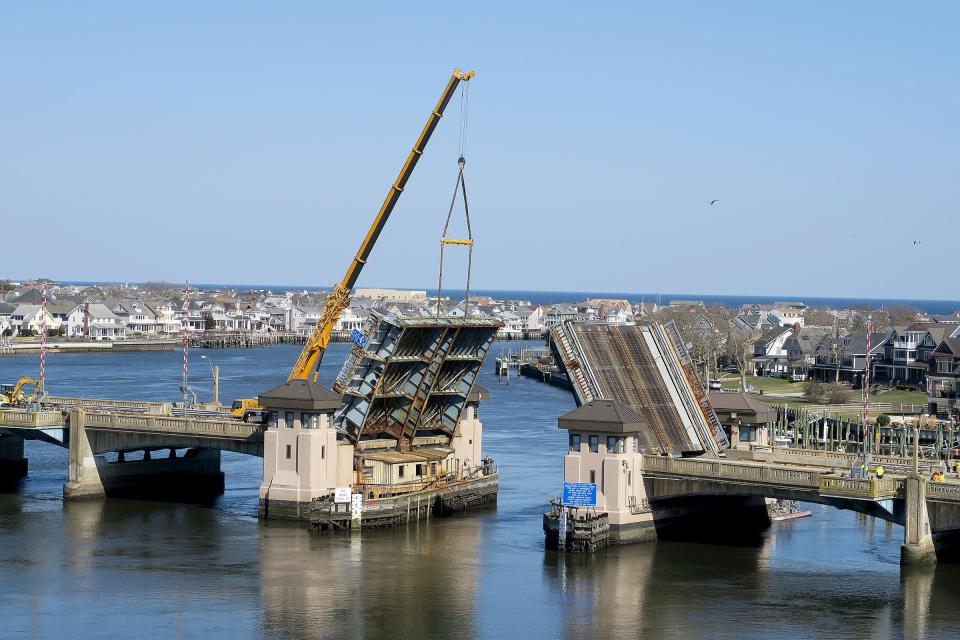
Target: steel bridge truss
[[412, 377]]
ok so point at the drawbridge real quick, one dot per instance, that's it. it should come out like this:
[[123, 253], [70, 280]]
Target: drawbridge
[[411, 377], [647, 368]]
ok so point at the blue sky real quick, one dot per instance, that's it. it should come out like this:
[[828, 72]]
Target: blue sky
[[253, 142]]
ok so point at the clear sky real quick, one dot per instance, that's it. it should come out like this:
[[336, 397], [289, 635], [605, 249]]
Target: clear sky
[[253, 142]]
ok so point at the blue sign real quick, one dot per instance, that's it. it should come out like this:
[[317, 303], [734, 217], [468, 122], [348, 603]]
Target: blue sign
[[579, 494], [359, 338]]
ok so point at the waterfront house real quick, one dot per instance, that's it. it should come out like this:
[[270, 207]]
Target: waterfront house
[[27, 318], [802, 347], [787, 314], [96, 321]]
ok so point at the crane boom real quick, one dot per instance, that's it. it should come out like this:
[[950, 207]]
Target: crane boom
[[308, 364]]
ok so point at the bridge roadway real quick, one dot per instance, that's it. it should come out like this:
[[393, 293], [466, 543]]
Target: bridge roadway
[[929, 511]]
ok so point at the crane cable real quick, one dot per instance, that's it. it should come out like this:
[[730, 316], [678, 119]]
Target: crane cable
[[461, 187]]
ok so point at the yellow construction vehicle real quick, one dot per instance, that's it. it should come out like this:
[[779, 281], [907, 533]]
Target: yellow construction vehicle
[[12, 394], [308, 364], [248, 410]]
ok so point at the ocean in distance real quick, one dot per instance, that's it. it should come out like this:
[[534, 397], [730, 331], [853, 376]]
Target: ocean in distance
[[935, 307]]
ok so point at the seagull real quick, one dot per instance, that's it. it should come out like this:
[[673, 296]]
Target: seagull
[[712, 202], [916, 242]]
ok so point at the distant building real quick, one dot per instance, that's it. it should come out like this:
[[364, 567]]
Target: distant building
[[943, 379]]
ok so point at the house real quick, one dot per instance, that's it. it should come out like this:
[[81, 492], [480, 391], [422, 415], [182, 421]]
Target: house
[[560, 313], [845, 357], [803, 345], [770, 352], [350, 319], [787, 314], [302, 317], [31, 318], [96, 321], [907, 353], [754, 321], [746, 421], [943, 379]]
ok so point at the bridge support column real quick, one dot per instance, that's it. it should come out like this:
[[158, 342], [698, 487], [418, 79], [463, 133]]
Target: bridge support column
[[83, 476], [917, 546], [13, 466]]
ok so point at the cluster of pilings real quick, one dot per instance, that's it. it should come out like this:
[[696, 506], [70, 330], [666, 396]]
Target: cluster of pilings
[[803, 428]]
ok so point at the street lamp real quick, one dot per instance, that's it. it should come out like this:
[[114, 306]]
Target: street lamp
[[215, 372]]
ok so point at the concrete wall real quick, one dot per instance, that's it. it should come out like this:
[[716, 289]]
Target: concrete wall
[[303, 460]]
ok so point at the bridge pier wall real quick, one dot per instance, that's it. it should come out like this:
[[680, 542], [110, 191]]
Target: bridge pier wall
[[90, 475], [83, 475], [917, 548], [13, 466]]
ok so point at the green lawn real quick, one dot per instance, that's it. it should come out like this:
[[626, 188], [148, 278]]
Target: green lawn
[[898, 397], [731, 382]]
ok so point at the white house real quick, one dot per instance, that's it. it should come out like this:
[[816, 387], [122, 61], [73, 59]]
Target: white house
[[96, 321], [31, 317]]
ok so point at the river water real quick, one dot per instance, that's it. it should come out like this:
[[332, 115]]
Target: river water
[[125, 568]]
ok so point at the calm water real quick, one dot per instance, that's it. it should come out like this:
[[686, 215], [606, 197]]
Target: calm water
[[131, 569]]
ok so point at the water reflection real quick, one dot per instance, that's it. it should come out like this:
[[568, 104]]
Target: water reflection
[[416, 581]]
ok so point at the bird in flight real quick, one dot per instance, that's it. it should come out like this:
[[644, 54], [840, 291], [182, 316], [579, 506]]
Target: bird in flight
[[712, 202], [916, 242]]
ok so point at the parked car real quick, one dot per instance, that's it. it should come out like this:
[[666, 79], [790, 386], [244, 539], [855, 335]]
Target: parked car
[[715, 385], [731, 368]]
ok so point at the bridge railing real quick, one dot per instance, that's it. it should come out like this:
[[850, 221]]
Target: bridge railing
[[186, 426], [149, 407], [943, 491], [727, 470], [837, 459], [869, 488], [27, 418]]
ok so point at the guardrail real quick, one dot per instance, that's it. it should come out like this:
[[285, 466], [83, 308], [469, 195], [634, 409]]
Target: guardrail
[[200, 427], [818, 457], [875, 408]]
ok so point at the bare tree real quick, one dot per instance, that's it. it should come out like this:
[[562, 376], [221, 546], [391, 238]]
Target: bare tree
[[902, 314], [739, 348], [819, 317]]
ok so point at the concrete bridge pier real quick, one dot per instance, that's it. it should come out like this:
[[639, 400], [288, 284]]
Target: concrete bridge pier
[[917, 548], [13, 466], [194, 476], [83, 474]]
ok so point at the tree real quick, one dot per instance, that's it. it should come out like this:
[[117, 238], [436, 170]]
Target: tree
[[209, 323], [902, 313], [818, 317], [740, 348]]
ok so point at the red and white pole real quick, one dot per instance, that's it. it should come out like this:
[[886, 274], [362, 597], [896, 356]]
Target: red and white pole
[[186, 342], [866, 384], [43, 338]]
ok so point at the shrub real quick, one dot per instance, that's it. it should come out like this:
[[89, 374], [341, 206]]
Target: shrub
[[883, 419], [838, 393]]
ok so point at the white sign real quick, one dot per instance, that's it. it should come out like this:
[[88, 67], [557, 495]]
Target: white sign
[[341, 495], [356, 505]]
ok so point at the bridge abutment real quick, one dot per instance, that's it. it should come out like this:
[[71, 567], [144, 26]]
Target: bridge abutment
[[13, 465], [917, 548]]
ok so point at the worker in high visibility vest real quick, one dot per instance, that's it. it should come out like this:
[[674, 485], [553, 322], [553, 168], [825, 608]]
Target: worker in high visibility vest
[[879, 470]]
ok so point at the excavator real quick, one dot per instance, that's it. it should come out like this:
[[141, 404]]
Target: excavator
[[12, 394], [307, 366]]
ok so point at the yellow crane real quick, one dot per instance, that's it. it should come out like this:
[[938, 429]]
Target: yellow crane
[[308, 364], [12, 394]]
